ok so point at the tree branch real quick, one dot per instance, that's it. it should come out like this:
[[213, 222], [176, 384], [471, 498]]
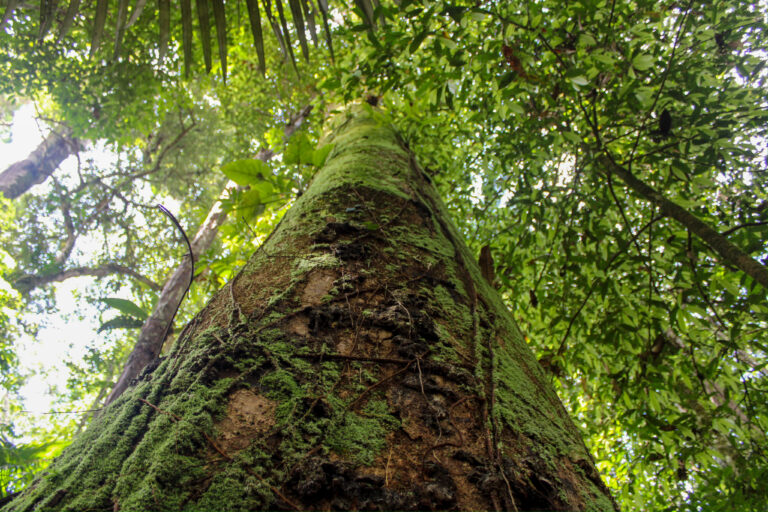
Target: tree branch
[[29, 282], [69, 227], [155, 328], [727, 251], [745, 225], [41, 162]]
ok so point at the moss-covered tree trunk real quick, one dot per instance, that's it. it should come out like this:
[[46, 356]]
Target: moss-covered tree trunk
[[358, 361]]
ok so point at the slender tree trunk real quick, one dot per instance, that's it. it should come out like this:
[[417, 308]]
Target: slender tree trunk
[[153, 332], [41, 162], [358, 361]]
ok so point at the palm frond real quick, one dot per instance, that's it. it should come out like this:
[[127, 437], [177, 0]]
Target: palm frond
[[98, 24], [47, 15], [258, 39], [69, 18], [221, 34], [303, 20], [164, 24], [204, 26], [186, 34]]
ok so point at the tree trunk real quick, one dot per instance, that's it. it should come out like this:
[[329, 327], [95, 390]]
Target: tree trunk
[[41, 162], [358, 361]]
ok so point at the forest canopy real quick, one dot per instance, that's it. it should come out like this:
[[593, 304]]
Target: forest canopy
[[606, 160]]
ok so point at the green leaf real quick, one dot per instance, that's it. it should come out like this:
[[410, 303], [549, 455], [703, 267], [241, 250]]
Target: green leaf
[[572, 137], [642, 62], [517, 108], [251, 204], [450, 43], [320, 155], [579, 80], [299, 150], [121, 322], [506, 79], [246, 172], [604, 58], [586, 40], [417, 41], [126, 306]]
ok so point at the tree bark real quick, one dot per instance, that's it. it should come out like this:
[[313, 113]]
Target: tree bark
[[358, 361], [41, 162], [155, 328]]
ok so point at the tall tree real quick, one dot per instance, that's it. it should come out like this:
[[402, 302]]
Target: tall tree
[[359, 360]]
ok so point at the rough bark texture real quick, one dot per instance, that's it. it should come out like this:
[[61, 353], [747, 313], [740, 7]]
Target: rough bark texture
[[46, 158], [358, 361]]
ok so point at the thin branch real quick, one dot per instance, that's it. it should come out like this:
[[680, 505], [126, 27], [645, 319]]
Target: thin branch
[[30, 282], [662, 82], [621, 211], [621, 250], [174, 142], [697, 281], [69, 227], [650, 272], [741, 226]]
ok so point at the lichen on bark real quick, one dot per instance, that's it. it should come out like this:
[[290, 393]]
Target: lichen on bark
[[358, 361]]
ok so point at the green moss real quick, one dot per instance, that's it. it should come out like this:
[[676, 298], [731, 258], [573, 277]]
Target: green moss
[[234, 489], [280, 385], [455, 311], [361, 437], [304, 265]]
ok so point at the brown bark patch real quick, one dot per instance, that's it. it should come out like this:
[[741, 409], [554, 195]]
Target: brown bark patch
[[249, 416], [319, 283], [299, 325]]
